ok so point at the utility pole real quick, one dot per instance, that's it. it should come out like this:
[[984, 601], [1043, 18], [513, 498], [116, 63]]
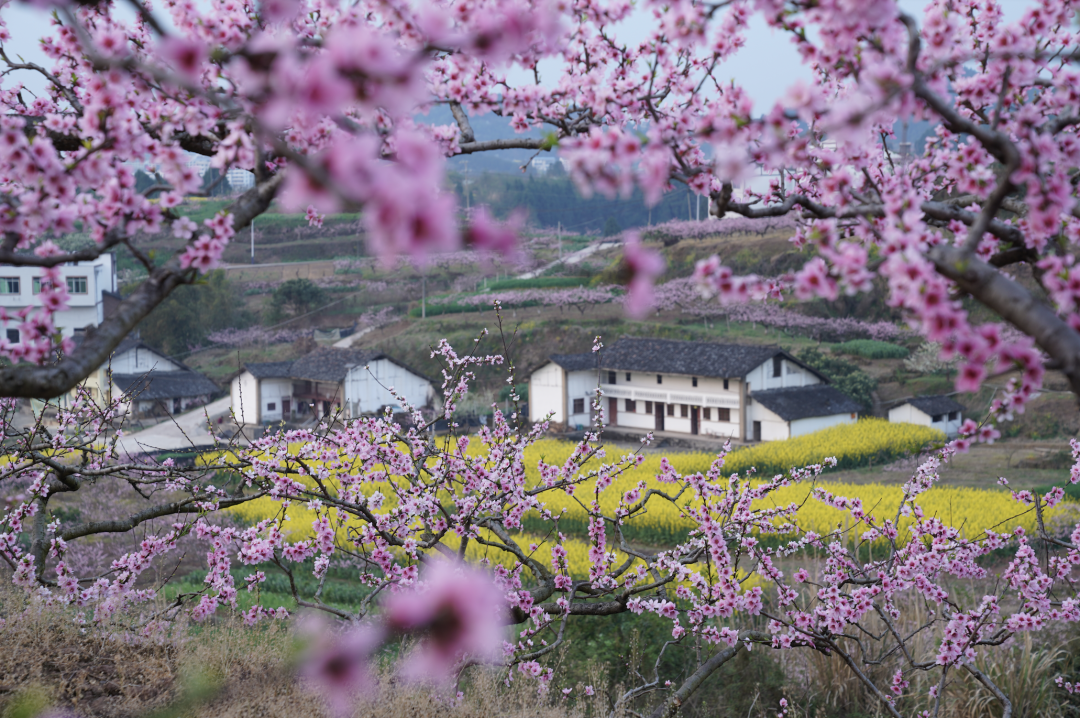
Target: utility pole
[[253, 241], [423, 296]]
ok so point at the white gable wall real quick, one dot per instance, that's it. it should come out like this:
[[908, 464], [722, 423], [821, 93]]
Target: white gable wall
[[244, 395], [773, 428], [139, 360], [271, 394], [816, 423], [579, 385], [791, 374], [367, 387], [546, 393]]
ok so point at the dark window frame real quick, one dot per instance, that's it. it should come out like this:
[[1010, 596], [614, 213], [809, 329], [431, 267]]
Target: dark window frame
[[579, 406], [777, 366]]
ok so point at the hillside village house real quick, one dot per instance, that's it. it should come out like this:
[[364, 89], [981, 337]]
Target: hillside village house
[[939, 412], [156, 384], [89, 286], [747, 393], [323, 382]]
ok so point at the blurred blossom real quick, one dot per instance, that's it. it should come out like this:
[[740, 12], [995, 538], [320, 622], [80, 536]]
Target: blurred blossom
[[643, 265], [340, 665], [459, 612]]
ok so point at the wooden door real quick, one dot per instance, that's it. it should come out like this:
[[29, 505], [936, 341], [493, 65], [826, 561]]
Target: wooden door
[[286, 408], [757, 431], [695, 417], [613, 411], [659, 408]]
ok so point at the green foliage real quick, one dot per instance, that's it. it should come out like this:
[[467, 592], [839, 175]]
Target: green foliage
[[842, 374], [552, 199], [191, 312], [296, 297], [214, 184], [144, 182], [434, 310], [872, 349], [521, 389], [611, 227], [537, 283]]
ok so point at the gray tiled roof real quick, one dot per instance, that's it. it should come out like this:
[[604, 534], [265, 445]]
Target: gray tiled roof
[[330, 363], [804, 402], [575, 362], [935, 404], [667, 356], [270, 369], [164, 384]]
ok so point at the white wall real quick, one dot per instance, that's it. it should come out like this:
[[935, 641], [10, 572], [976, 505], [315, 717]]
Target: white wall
[[139, 360], [816, 423], [908, 414], [676, 390], [271, 393], [791, 374], [244, 394], [546, 393], [83, 309], [579, 385], [773, 428], [367, 388]]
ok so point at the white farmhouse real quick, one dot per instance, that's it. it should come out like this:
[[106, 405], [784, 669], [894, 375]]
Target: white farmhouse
[[692, 388], [88, 284], [153, 383], [940, 412], [563, 387], [325, 381]]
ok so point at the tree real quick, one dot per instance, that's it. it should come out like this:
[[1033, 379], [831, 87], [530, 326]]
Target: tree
[[295, 297], [215, 184], [986, 217], [191, 313]]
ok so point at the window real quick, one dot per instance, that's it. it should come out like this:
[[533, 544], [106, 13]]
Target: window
[[684, 410], [671, 410], [648, 407], [36, 285], [706, 414], [76, 285], [723, 414], [611, 377], [579, 406], [777, 365], [628, 376], [272, 406], [631, 405], [937, 417], [693, 380], [725, 384], [954, 415], [9, 285], [659, 379], [13, 336]]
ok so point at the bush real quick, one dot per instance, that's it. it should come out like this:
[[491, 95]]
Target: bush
[[296, 297], [538, 283], [842, 374], [872, 349]]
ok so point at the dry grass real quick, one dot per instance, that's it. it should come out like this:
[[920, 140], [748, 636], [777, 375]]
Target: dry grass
[[48, 664]]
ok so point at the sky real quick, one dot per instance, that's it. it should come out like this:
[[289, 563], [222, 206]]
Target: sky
[[765, 67]]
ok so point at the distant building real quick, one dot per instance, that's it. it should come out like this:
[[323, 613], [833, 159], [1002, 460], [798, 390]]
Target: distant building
[[325, 381], [154, 384], [89, 285], [745, 393], [939, 412], [543, 165]]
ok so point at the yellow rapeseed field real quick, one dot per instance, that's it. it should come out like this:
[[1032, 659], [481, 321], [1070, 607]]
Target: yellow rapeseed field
[[664, 524]]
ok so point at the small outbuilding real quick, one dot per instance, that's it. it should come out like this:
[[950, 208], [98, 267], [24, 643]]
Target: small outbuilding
[[320, 383], [777, 414], [163, 393], [937, 411]]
